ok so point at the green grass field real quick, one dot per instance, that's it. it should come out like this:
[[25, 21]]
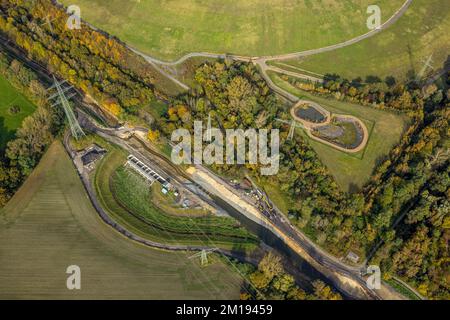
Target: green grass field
[[127, 199], [352, 171], [348, 138], [50, 224], [405, 46], [169, 29], [9, 122]]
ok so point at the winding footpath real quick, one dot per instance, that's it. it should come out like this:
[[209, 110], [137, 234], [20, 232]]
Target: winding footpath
[[298, 241], [262, 60], [397, 15]]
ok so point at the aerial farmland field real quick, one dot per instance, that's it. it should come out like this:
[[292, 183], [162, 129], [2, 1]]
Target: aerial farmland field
[[127, 199], [50, 225], [400, 51], [170, 29], [223, 149]]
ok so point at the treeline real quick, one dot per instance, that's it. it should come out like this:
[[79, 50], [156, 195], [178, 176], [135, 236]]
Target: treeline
[[387, 94], [236, 96], [35, 134], [24, 79], [410, 211], [270, 281], [119, 80], [90, 60]]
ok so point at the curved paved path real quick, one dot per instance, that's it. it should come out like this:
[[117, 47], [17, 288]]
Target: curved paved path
[[156, 66], [262, 60], [397, 15], [309, 126], [328, 261]]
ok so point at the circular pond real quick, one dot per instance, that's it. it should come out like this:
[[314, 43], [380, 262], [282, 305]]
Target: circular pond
[[310, 114], [343, 132]]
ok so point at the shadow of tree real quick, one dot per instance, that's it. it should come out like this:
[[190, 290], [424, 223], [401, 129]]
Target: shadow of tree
[[5, 136], [445, 71], [353, 188]]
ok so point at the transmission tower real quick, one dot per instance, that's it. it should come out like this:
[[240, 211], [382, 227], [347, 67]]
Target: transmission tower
[[427, 64], [63, 101], [293, 124], [49, 23], [203, 256]]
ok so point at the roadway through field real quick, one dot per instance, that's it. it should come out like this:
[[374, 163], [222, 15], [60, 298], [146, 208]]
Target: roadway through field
[[262, 61]]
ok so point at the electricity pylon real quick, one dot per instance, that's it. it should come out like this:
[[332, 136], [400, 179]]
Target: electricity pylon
[[203, 256], [49, 23], [63, 101], [293, 124], [426, 65]]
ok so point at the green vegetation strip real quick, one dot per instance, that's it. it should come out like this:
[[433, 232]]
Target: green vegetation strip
[[127, 198], [402, 289]]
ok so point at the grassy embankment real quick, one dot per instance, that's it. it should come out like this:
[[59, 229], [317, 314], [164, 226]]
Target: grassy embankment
[[171, 29], [132, 203]]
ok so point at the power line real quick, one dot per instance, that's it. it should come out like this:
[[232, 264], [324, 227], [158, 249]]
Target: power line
[[293, 125], [75, 128]]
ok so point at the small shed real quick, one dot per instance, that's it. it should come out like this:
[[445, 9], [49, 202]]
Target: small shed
[[353, 257]]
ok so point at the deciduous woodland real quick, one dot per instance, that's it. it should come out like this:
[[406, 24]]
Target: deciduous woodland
[[402, 213], [270, 281], [35, 134]]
